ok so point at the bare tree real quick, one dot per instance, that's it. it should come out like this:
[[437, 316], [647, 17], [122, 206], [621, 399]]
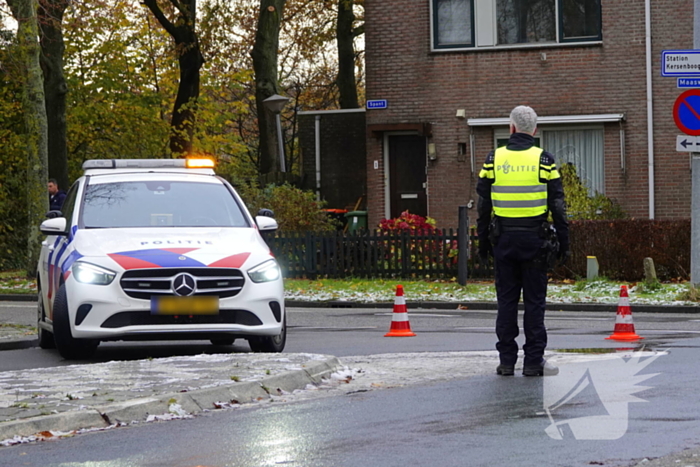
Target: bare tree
[[24, 11], [345, 35], [265, 65], [182, 28], [50, 16]]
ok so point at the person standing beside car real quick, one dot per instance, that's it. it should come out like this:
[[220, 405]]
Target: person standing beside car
[[56, 195], [518, 187]]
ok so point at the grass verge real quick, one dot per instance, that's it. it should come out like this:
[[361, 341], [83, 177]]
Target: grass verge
[[600, 290]]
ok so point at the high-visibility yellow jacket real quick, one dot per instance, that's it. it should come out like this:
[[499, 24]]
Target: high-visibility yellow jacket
[[520, 179]]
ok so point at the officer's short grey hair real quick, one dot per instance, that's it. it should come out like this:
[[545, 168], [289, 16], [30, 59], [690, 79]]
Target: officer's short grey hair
[[524, 119]]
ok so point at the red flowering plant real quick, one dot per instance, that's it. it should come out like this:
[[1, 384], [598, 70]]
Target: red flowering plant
[[408, 221], [424, 246]]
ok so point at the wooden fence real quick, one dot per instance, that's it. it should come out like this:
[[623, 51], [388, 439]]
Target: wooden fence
[[429, 254]]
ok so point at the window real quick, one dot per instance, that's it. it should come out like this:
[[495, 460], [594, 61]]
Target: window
[[160, 203], [584, 150], [503, 23], [581, 147]]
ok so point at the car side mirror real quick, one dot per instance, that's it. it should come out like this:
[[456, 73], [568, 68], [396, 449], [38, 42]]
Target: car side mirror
[[266, 224], [55, 226]]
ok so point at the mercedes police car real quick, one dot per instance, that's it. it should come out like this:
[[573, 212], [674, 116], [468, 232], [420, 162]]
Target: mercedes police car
[[149, 249]]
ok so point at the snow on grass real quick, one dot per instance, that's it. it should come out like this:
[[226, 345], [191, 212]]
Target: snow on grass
[[594, 292]]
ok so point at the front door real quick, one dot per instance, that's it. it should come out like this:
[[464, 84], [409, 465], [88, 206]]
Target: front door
[[407, 179]]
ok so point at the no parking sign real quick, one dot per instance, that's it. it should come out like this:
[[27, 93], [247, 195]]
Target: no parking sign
[[686, 112]]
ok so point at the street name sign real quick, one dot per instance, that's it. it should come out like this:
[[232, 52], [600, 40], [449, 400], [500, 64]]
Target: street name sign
[[688, 82], [685, 143], [680, 62], [377, 104]]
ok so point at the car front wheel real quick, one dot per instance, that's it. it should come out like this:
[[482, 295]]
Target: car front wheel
[[270, 344], [69, 347]]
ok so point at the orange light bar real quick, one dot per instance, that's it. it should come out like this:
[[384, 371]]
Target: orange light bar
[[200, 164]]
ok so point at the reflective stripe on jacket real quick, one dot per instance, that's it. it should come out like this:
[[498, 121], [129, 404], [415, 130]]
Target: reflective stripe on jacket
[[519, 182]]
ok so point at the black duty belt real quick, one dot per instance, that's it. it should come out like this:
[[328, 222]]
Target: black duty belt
[[521, 228]]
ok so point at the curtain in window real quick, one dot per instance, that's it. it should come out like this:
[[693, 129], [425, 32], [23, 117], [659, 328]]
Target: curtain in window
[[454, 22], [583, 149]]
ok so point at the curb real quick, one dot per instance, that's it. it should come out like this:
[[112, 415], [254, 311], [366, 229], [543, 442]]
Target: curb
[[19, 343], [194, 402], [20, 297], [493, 306], [466, 305]]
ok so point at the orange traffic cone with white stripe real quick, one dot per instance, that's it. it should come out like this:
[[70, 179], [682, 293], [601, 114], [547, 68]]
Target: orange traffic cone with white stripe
[[624, 327], [400, 327]]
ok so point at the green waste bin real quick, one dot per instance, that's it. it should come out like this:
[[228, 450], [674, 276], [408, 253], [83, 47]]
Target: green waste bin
[[356, 220]]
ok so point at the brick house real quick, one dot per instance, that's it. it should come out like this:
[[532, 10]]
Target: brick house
[[452, 70]]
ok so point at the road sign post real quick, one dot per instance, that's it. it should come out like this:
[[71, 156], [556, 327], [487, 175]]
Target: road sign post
[[695, 178], [695, 219]]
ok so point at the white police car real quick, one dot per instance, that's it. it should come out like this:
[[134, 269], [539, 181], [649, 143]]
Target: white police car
[[157, 249]]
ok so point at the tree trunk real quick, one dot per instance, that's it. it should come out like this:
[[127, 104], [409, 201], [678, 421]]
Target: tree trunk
[[347, 85], [190, 59], [25, 12], [55, 88], [265, 66]]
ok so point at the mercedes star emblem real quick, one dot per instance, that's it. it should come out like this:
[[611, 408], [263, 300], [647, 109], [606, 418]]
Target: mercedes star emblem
[[184, 284]]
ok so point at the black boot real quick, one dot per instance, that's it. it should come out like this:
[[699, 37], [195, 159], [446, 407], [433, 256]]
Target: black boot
[[543, 369], [505, 370]]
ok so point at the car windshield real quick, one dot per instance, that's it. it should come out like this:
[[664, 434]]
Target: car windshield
[[160, 204]]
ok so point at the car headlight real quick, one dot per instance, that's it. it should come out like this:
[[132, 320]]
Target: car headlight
[[91, 274], [265, 272]]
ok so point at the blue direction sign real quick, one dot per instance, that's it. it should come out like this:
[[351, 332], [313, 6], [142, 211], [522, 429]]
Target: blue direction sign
[[377, 104], [689, 82], [686, 112]]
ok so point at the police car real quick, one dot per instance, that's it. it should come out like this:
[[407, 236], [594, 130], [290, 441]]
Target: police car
[[150, 249]]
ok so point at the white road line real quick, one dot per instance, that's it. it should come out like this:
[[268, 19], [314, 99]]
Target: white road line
[[548, 318], [332, 328], [666, 331], [413, 314]]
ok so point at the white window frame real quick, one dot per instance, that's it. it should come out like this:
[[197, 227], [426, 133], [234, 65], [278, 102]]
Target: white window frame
[[504, 133], [483, 38]]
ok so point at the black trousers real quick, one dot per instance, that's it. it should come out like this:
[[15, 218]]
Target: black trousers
[[517, 270]]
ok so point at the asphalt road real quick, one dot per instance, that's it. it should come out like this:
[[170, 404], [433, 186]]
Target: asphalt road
[[357, 331], [476, 421], [481, 420]]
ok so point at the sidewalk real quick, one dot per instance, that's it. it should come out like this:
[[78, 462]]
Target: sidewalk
[[61, 400]]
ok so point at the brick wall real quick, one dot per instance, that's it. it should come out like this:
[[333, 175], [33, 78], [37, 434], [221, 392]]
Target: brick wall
[[425, 86], [343, 154]]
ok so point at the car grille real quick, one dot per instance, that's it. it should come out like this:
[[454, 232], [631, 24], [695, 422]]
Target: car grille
[[144, 283]]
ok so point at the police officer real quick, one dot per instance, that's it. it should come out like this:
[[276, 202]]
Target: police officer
[[56, 195], [518, 186]]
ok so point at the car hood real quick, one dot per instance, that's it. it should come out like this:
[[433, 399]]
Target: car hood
[[181, 248]]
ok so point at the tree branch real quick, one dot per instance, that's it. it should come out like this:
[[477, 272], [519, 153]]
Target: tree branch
[[158, 13]]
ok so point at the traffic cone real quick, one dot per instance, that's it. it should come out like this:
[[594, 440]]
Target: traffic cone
[[624, 327], [400, 327]]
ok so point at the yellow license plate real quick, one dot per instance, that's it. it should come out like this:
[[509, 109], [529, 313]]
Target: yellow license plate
[[169, 305]]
